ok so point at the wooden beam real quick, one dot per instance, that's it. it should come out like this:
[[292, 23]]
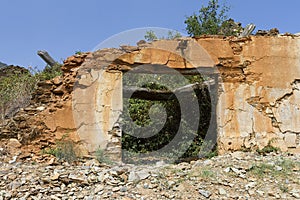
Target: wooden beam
[[159, 95], [161, 69], [47, 58]]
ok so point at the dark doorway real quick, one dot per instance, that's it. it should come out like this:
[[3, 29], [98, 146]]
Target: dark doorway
[[160, 108]]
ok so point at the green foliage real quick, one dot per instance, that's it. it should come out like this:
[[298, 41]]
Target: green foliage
[[268, 149], [151, 36], [173, 35], [16, 88], [284, 188], [49, 72], [50, 151], [261, 170], [101, 157], [78, 52], [139, 111], [64, 150], [212, 153], [212, 19], [207, 173], [280, 169]]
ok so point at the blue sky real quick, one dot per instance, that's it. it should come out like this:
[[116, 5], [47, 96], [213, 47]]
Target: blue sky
[[64, 27]]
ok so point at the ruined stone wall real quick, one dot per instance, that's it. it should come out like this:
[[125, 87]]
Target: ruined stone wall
[[49, 116], [258, 92], [97, 98], [258, 85]]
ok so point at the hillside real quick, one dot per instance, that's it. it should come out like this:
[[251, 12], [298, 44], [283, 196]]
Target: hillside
[[2, 65]]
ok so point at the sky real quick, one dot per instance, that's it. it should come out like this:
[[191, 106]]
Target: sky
[[65, 27]]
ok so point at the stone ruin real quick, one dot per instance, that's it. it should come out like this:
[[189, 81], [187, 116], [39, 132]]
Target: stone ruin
[[256, 78]]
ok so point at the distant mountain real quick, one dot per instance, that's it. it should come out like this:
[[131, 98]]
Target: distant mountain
[[2, 65]]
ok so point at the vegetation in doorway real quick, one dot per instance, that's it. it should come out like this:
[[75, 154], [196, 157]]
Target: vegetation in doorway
[[138, 112]]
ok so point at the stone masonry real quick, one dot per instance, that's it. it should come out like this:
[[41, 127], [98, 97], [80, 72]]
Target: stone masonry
[[258, 86], [258, 91]]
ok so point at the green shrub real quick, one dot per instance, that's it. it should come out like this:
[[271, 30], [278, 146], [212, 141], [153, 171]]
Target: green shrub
[[64, 150], [16, 88], [269, 148], [261, 170], [101, 157], [281, 169], [78, 52], [151, 36], [49, 72], [15, 92], [211, 20]]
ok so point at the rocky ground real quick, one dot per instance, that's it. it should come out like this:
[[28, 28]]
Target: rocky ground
[[239, 175]]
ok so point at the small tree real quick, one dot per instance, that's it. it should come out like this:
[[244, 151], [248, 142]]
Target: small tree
[[211, 20], [173, 35], [150, 36]]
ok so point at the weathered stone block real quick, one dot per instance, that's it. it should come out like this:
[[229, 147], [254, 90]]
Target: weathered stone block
[[290, 140]]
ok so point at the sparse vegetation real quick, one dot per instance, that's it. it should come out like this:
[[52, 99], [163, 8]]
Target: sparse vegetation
[[101, 157], [207, 150], [151, 36], [16, 88], [173, 35], [268, 149], [207, 173], [49, 72], [15, 91], [280, 168], [79, 52], [284, 188], [260, 170], [64, 150]]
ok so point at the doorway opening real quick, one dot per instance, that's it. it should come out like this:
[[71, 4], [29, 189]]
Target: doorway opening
[[168, 115]]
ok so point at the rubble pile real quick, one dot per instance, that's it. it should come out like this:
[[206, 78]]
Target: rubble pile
[[239, 175], [271, 32]]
